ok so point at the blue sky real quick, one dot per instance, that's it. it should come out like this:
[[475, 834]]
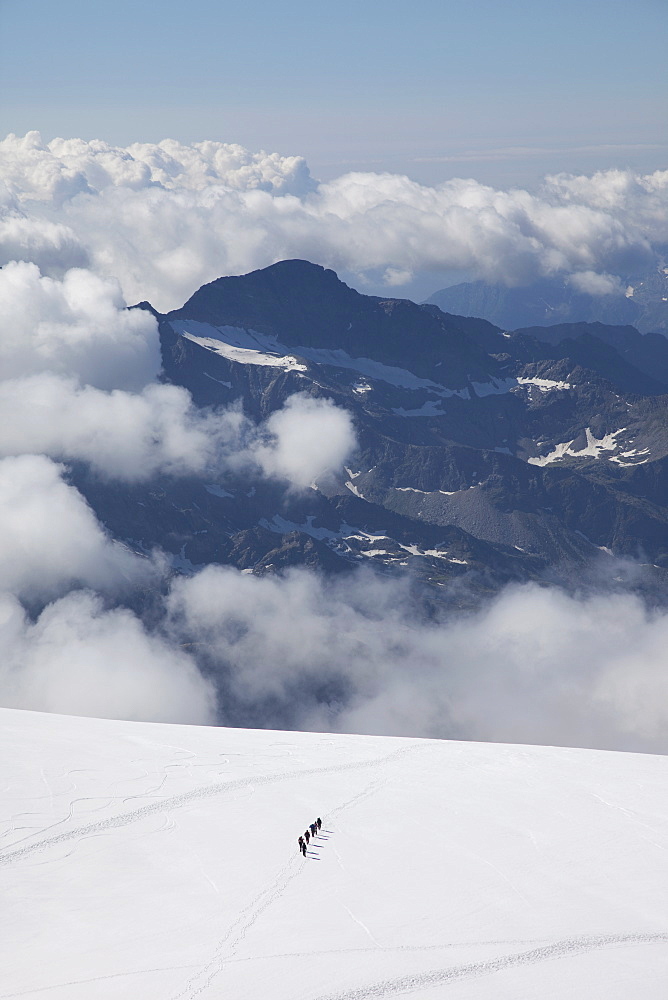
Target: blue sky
[[436, 89]]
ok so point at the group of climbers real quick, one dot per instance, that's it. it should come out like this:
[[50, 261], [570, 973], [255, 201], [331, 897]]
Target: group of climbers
[[313, 830]]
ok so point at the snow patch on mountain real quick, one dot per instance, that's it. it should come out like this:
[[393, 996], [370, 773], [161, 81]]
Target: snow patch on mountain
[[238, 345], [348, 534], [282, 526], [431, 493], [252, 347], [354, 490], [634, 456], [415, 550], [544, 384], [594, 448]]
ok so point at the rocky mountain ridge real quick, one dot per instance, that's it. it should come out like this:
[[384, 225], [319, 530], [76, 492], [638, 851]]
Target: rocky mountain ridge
[[640, 299], [492, 455]]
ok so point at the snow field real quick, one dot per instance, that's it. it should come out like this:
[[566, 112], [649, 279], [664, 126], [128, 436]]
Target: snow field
[[161, 862]]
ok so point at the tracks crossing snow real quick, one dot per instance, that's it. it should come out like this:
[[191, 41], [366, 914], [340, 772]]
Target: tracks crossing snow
[[227, 945], [443, 977], [184, 799]]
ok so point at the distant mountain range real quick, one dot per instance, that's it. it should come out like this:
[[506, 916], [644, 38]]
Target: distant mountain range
[[499, 455], [644, 303]]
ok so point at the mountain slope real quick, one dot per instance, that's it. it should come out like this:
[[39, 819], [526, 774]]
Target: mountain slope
[[551, 301], [648, 353], [161, 862], [531, 453]]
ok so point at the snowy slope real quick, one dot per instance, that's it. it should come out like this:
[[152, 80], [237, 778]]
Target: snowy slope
[[160, 862]]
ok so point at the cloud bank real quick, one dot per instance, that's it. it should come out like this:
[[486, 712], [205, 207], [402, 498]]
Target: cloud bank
[[78, 658], [533, 666], [165, 218], [86, 228], [77, 325], [78, 383], [50, 539]]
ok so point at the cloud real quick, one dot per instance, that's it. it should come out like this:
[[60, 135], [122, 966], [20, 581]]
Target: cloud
[[64, 168], [135, 436], [308, 438], [79, 325], [50, 539], [51, 245], [592, 283], [121, 435], [165, 218], [79, 656], [79, 659], [90, 227], [533, 666], [638, 201]]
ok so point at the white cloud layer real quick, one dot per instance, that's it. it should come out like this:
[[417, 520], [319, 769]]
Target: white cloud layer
[[534, 666], [79, 659], [134, 436], [78, 325], [122, 435], [50, 539], [165, 218], [78, 656], [87, 227]]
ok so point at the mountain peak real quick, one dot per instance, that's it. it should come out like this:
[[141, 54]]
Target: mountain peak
[[307, 305]]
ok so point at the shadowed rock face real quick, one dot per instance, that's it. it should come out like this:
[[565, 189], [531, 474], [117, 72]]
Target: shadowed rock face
[[500, 456], [303, 304]]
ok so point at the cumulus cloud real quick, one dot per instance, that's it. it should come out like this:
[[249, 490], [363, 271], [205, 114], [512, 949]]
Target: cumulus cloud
[[79, 659], [86, 228], [637, 200], [123, 435], [308, 438], [135, 436], [534, 666], [79, 325], [592, 283], [58, 171], [79, 656], [51, 245], [165, 218], [50, 539]]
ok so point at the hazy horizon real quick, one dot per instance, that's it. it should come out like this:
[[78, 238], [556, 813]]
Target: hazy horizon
[[503, 94]]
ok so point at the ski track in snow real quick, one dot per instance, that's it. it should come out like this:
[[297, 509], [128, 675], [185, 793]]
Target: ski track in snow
[[514, 880], [93, 979], [237, 930], [236, 933], [558, 949], [178, 802]]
